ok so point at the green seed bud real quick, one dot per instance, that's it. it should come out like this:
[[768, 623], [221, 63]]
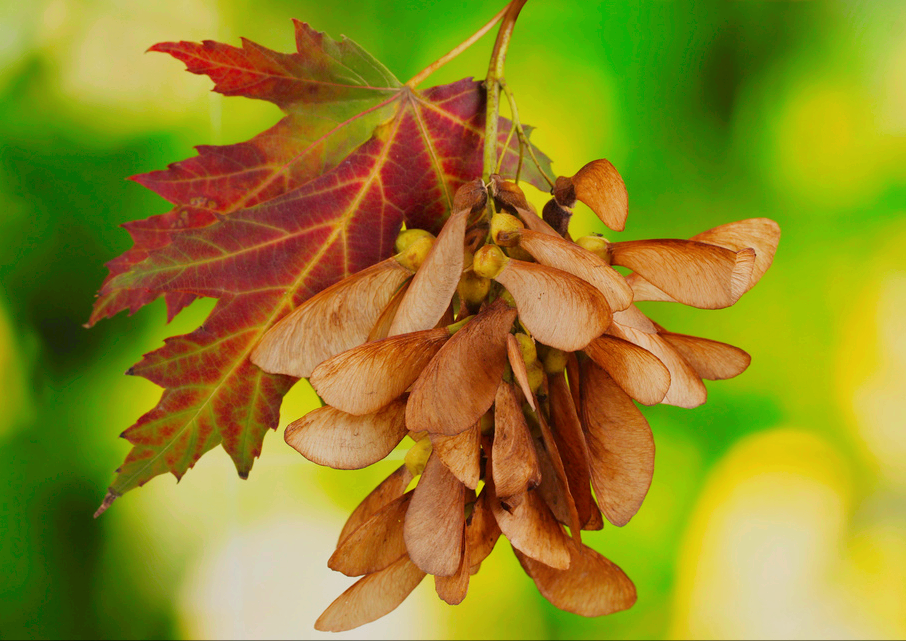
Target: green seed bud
[[415, 254], [408, 236], [527, 348], [472, 289], [535, 376], [505, 229], [554, 361], [489, 261], [417, 456], [597, 245]]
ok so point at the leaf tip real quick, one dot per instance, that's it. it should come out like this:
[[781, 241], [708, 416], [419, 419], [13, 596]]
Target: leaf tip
[[107, 502]]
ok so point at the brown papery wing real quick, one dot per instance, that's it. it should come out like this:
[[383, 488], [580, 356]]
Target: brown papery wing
[[639, 372], [435, 521], [620, 446], [434, 284], [329, 322], [600, 186], [327, 436], [390, 489], [376, 544], [761, 234], [712, 360], [693, 273], [371, 597], [461, 453], [592, 586], [514, 464], [569, 257], [573, 449], [532, 529], [364, 379], [482, 530], [686, 387], [559, 309], [453, 589], [520, 372], [460, 382]]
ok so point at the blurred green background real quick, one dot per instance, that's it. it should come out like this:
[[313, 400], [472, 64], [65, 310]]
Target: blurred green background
[[777, 510]]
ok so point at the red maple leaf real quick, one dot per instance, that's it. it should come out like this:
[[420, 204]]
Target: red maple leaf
[[265, 224]]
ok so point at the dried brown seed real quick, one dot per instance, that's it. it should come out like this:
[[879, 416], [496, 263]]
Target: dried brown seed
[[761, 234], [371, 597], [388, 491], [559, 309], [573, 449], [508, 196], [557, 216], [600, 186], [461, 453], [453, 589], [329, 322], [712, 360], [434, 284], [472, 196], [327, 436], [573, 259], [592, 586], [639, 372], [514, 462], [374, 545], [434, 523], [460, 382], [693, 273], [532, 529], [364, 379], [620, 445]]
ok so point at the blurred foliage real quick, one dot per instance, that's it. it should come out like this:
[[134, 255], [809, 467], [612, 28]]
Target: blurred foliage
[[712, 111]]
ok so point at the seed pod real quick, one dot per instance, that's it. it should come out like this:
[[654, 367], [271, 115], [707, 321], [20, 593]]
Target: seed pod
[[694, 273], [600, 186], [473, 196], [508, 196], [329, 322], [592, 586], [559, 309]]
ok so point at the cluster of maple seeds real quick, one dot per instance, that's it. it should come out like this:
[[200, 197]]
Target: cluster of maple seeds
[[511, 355]]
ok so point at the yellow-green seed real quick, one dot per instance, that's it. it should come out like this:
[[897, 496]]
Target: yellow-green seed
[[554, 361], [597, 245], [408, 236], [415, 254], [489, 261], [417, 456], [505, 229], [527, 347]]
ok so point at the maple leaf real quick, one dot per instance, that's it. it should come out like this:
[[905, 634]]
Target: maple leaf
[[263, 225]]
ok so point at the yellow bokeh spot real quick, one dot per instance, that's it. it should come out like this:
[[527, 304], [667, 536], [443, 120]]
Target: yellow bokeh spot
[[828, 150], [767, 555], [871, 361]]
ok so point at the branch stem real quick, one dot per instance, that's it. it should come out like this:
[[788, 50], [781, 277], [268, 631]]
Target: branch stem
[[440, 62], [492, 86]]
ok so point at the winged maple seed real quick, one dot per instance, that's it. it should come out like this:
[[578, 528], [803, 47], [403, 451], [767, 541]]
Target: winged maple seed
[[350, 245], [512, 360]]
